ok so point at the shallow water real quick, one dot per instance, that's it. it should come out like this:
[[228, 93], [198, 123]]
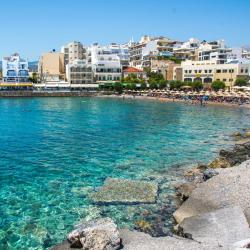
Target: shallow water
[[54, 151]]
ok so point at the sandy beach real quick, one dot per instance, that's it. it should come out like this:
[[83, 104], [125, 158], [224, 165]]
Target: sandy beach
[[169, 100]]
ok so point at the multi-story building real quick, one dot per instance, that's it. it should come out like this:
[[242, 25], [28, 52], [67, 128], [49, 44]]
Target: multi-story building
[[148, 47], [15, 69], [51, 67], [106, 65], [79, 74], [122, 51], [164, 67], [216, 51], [209, 71], [246, 54], [186, 51], [73, 51]]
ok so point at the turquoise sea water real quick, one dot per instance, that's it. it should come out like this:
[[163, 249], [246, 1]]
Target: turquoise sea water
[[54, 151]]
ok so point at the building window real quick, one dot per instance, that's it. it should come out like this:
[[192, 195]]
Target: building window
[[224, 80], [246, 70], [218, 71], [242, 70], [224, 71]]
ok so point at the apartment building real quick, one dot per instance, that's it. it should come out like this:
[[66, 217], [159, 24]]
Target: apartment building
[[122, 51], [216, 51], [106, 65], [187, 50], [79, 74], [73, 51], [209, 71], [15, 69], [140, 54], [51, 67]]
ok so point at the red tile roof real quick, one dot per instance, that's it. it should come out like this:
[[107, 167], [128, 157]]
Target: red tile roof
[[132, 70]]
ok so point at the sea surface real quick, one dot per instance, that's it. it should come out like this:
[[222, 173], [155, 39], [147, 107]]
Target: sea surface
[[55, 151]]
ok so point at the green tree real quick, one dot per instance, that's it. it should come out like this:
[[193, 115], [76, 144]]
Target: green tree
[[241, 82], [118, 87], [131, 78], [196, 85], [155, 77], [217, 85], [131, 86], [153, 85], [176, 84], [33, 78], [143, 85]]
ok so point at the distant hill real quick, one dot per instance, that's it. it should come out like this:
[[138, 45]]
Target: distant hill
[[246, 47], [33, 66]]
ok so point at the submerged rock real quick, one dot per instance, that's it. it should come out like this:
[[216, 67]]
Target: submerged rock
[[122, 191], [143, 226], [101, 234], [224, 226], [65, 245], [184, 190], [246, 134], [236, 134], [219, 163]]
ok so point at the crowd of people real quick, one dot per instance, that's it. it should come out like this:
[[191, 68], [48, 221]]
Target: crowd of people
[[200, 98]]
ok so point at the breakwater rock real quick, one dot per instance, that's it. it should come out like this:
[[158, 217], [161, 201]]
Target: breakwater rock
[[99, 234], [230, 187], [223, 227]]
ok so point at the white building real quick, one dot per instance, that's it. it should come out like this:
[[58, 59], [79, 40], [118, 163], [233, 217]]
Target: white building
[[73, 51], [15, 69], [106, 65], [79, 75], [216, 51], [186, 50], [148, 47], [122, 51]]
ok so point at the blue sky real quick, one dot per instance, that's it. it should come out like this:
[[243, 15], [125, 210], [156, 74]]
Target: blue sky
[[32, 27]]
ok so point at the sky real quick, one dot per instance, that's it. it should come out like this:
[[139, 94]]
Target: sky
[[32, 27]]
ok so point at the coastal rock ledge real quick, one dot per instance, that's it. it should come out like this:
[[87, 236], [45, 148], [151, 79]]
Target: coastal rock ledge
[[122, 191], [223, 226], [231, 187]]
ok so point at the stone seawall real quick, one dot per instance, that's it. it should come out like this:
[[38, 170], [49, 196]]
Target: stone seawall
[[47, 94]]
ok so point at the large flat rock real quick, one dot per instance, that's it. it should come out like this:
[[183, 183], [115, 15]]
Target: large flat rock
[[122, 191], [224, 227], [230, 188], [133, 240]]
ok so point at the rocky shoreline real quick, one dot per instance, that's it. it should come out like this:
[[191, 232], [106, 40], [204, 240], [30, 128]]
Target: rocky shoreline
[[213, 211]]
